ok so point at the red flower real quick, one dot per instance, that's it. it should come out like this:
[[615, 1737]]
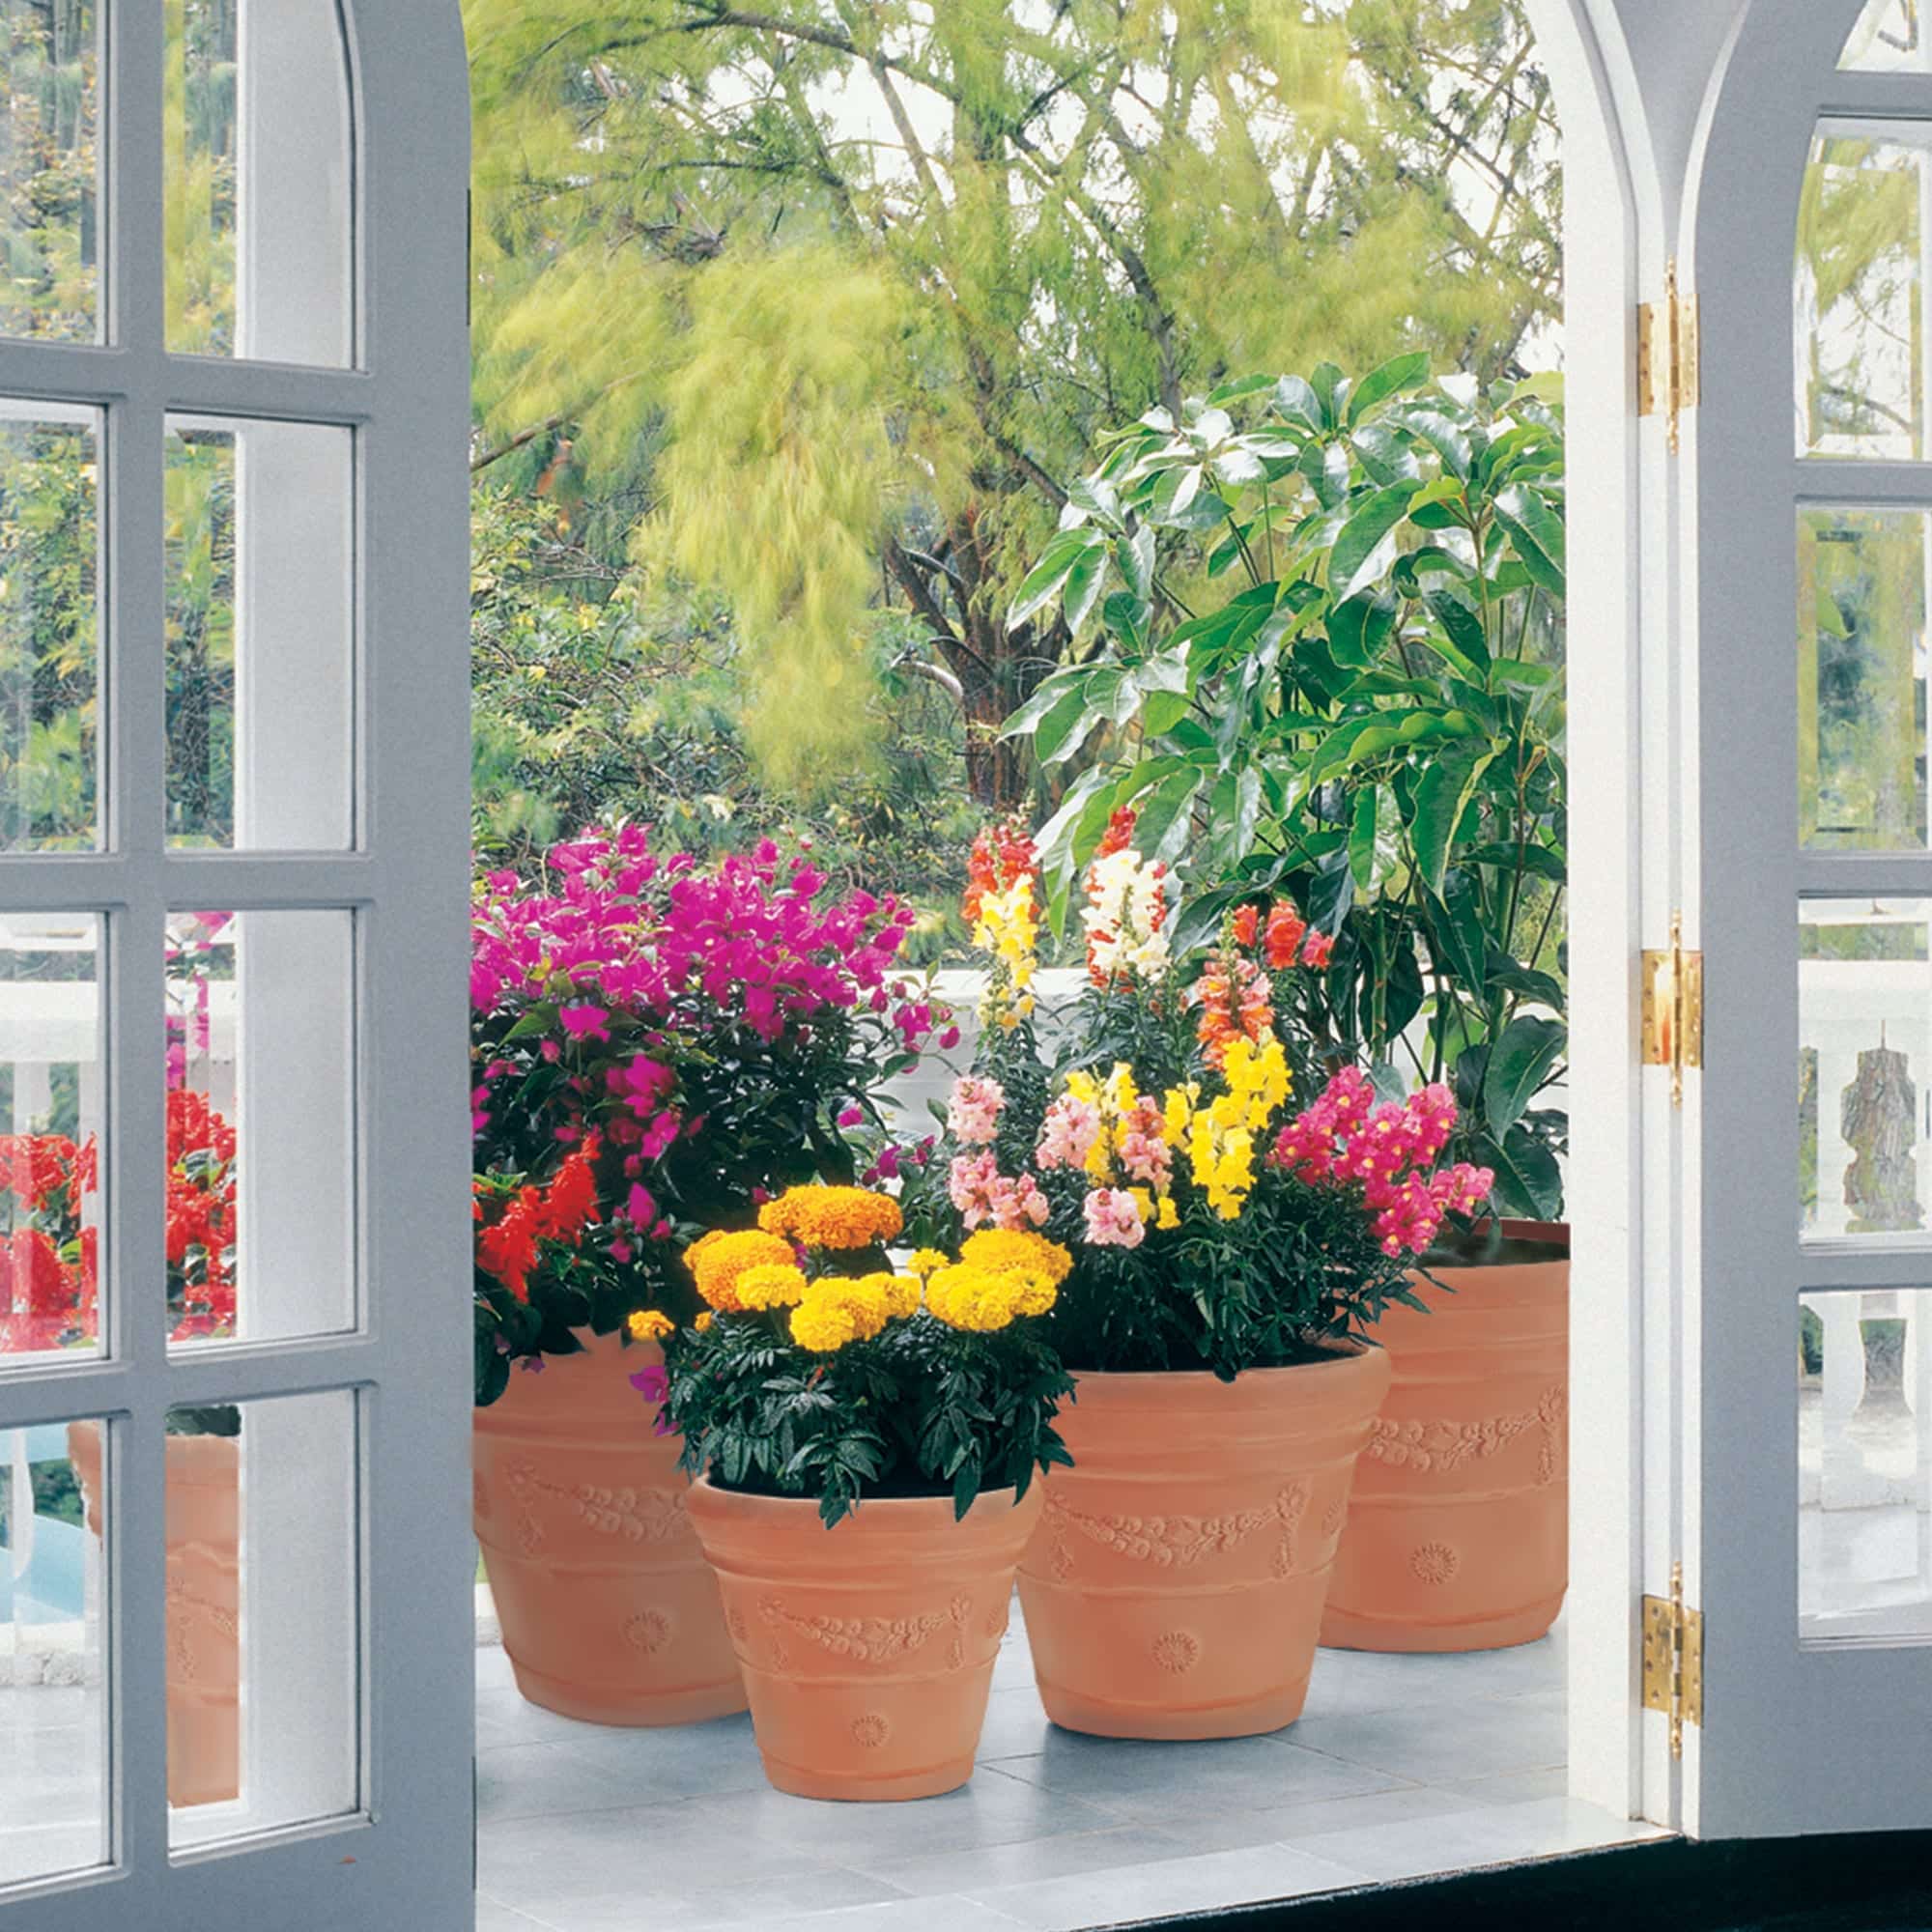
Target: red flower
[[1318, 950], [1246, 922], [1283, 935]]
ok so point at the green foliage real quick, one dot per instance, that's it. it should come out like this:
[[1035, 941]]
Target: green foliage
[[823, 302], [49, 613], [49, 188], [1323, 618], [919, 1410], [599, 698]]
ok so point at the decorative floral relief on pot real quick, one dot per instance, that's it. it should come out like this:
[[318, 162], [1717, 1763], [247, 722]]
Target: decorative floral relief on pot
[[1436, 1446], [1175, 1541], [638, 1515], [872, 1639]]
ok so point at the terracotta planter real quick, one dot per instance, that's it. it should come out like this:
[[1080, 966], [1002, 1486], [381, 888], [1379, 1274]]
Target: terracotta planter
[[607, 1608], [204, 1615], [868, 1648], [1175, 1587], [1459, 1538]]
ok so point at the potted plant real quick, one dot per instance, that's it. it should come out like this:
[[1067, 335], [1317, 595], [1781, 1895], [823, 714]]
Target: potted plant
[[862, 1441], [49, 1277], [1328, 667], [656, 1042], [1230, 1255]]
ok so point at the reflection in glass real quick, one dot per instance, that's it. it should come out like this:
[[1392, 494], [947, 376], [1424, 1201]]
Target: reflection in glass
[[261, 1196], [1860, 306], [260, 630], [49, 638], [50, 1117], [1864, 1467], [49, 171], [1889, 38], [263, 1628], [1865, 1047], [256, 127], [53, 1757], [1862, 669]]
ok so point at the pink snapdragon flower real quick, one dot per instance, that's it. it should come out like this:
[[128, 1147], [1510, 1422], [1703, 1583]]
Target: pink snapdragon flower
[[1113, 1220], [973, 1113], [1068, 1134], [982, 1194]]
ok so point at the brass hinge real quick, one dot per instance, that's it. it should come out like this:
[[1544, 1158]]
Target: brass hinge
[[1673, 1009], [1673, 1660], [1668, 358]]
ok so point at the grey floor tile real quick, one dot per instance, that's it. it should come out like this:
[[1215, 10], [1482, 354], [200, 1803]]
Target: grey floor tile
[[1514, 1787], [1141, 1780], [1228, 1827], [1016, 1726], [1029, 1859], [492, 1915], [1130, 1893], [758, 1904], [685, 1761], [1485, 1835], [991, 1809], [540, 1864], [927, 1915], [539, 1781], [513, 1719], [1436, 1743]]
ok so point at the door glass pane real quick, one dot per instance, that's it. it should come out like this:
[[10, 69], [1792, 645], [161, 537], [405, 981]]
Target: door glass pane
[[49, 637], [1864, 999], [263, 1595], [50, 1117], [53, 1735], [50, 171], [257, 129], [1888, 39], [261, 1183], [1860, 322], [1862, 715], [259, 636], [1864, 1467]]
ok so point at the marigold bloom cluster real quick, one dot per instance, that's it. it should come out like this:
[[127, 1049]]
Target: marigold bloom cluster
[[771, 1285], [836, 1311], [717, 1260], [983, 1300], [1388, 1148], [1125, 914], [832, 1217], [998, 1248], [650, 1325]]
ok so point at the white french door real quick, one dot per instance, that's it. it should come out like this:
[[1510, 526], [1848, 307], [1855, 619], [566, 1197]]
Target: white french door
[[1807, 1141], [234, 1567]]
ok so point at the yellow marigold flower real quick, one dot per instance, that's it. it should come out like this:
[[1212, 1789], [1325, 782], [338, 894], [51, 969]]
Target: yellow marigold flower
[[997, 1248], [646, 1324], [1033, 1291], [822, 1325], [903, 1293], [718, 1261], [771, 1285], [832, 1217], [926, 1259], [974, 1299], [704, 1321]]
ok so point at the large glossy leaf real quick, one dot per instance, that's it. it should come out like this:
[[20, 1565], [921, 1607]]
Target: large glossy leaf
[[1082, 590], [1446, 438], [1399, 373], [1296, 400], [1043, 583], [1463, 629], [1050, 692], [1055, 734], [1519, 1064], [1456, 930], [1359, 629], [1530, 1184], [1442, 795], [1356, 561], [1362, 839]]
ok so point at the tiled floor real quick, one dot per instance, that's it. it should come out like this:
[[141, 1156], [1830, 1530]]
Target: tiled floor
[[1400, 1766]]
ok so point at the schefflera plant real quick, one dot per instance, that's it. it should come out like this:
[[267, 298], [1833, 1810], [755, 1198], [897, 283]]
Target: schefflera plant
[[1317, 632]]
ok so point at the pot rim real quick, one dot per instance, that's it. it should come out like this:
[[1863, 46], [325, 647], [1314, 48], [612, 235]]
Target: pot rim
[[904, 1509]]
